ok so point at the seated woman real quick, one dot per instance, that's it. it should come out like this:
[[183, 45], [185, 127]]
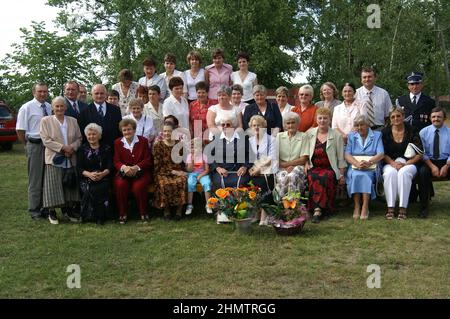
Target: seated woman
[[265, 165], [399, 170], [132, 162], [94, 163], [292, 155], [61, 137], [364, 149], [326, 165], [230, 158], [144, 123], [170, 178]]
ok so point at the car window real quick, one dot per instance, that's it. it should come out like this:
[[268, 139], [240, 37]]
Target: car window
[[4, 112]]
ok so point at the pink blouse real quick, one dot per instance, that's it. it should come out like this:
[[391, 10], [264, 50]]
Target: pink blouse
[[218, 78]]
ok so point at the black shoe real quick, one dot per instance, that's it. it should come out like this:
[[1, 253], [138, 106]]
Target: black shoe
[[53, 219], [122, 220], [100, 222], [167, 218], [73, 217], [177, 217], [315, 219], [423, 213]]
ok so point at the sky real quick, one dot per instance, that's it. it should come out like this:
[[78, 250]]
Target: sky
[[19, 14]]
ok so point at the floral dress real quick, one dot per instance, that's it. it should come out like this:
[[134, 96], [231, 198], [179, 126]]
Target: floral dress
[[321, 180], [170, 189]]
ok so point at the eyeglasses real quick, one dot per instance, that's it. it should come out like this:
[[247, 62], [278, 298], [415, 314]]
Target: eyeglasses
[[226, 125], [303, 94]]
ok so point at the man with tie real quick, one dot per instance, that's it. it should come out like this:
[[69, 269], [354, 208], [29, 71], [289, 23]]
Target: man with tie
[[377, 103], [436, 143], [27, 127], [74, 106], [417, 106], [102, 113]]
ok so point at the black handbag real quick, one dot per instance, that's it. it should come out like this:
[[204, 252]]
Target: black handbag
[[70, 177]]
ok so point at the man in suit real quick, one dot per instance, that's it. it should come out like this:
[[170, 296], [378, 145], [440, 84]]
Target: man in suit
[[74, 106], [436, 143], [102, 113], [417, 106]]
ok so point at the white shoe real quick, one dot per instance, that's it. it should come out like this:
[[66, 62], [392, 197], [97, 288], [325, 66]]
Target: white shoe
[[189, 209], [209, 210], [222, 218], [53, 219], [264, 223]]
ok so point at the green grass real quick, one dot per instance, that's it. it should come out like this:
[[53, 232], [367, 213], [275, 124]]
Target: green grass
[[196, 258]]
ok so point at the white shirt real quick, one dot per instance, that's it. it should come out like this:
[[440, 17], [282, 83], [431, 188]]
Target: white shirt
[[381, 102], [167, 79], [155, 80], [103, 108], [63, 129], [267, 149], [144, 126], [171, 106], [157, 116], [29, 117], [131, 145], [343, 116], [417, 97], [191, 82], [231, 139], [247, 84], [220, 113], [287, 108]]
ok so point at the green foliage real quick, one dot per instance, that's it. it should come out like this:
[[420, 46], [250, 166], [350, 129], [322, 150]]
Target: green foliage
[[44, 56]]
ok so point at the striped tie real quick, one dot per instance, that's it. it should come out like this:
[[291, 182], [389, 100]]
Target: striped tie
[[369, 109]]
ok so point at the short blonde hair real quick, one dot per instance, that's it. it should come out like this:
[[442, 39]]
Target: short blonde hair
[[258, 119], [126, 122], [323, 111]]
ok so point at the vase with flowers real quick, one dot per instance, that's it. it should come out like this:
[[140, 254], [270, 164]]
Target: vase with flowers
[[289, 214], [238, 204]]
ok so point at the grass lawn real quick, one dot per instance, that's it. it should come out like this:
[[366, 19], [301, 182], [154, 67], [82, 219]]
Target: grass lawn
[[195, 258]]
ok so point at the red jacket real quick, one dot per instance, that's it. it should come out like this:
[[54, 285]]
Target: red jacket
[[141, 155]]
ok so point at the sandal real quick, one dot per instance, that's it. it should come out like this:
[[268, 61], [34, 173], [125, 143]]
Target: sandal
[[389, 215], [401, 216]]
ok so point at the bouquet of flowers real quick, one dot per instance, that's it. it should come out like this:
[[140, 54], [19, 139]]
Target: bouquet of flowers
[[290, 212], [236, 203]]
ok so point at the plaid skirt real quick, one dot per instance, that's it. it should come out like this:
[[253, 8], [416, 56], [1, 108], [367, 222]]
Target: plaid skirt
[[54, 194]]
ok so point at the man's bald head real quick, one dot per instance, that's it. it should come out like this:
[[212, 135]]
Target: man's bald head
[[99, 93]]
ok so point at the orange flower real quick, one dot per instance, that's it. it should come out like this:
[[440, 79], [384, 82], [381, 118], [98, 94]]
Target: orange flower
[[222, 193], [289, 203], [212, 202], [252, 195]]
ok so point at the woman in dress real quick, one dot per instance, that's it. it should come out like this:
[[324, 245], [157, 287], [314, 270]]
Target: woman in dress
[[95, 164], [194, 75], [61, 137], [127, 89], [217, 74], [305, 109], [399, 171], [132, 161], [244, 77], [170, 178], [282, 94], [329, 97], [268, 110], [293, 149], [363, 151], [326, 165], [346, 112]]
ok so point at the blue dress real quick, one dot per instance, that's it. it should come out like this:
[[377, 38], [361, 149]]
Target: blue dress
[[363, 181]]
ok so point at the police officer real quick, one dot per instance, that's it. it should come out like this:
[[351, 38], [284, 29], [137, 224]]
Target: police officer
[[417, 106]]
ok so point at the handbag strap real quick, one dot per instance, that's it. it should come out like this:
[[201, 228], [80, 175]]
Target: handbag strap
[[223, 182]]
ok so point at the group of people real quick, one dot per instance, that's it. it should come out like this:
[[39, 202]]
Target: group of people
[[215, 127]]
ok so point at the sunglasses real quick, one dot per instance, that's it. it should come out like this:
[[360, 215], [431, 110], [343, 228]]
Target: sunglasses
[[226, 124], [303, 94]]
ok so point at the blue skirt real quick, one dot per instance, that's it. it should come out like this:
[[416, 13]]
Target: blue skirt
[[361, 182]]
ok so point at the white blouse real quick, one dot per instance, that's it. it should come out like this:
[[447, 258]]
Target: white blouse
[[343, 116], [191, 82], [247, 84], [180, 110], [144, 126]]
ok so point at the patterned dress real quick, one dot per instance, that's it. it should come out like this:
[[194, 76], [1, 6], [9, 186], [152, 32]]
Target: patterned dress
[[321, 180], [170, 189]]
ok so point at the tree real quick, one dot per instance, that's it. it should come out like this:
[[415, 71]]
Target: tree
[[44, 56]]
